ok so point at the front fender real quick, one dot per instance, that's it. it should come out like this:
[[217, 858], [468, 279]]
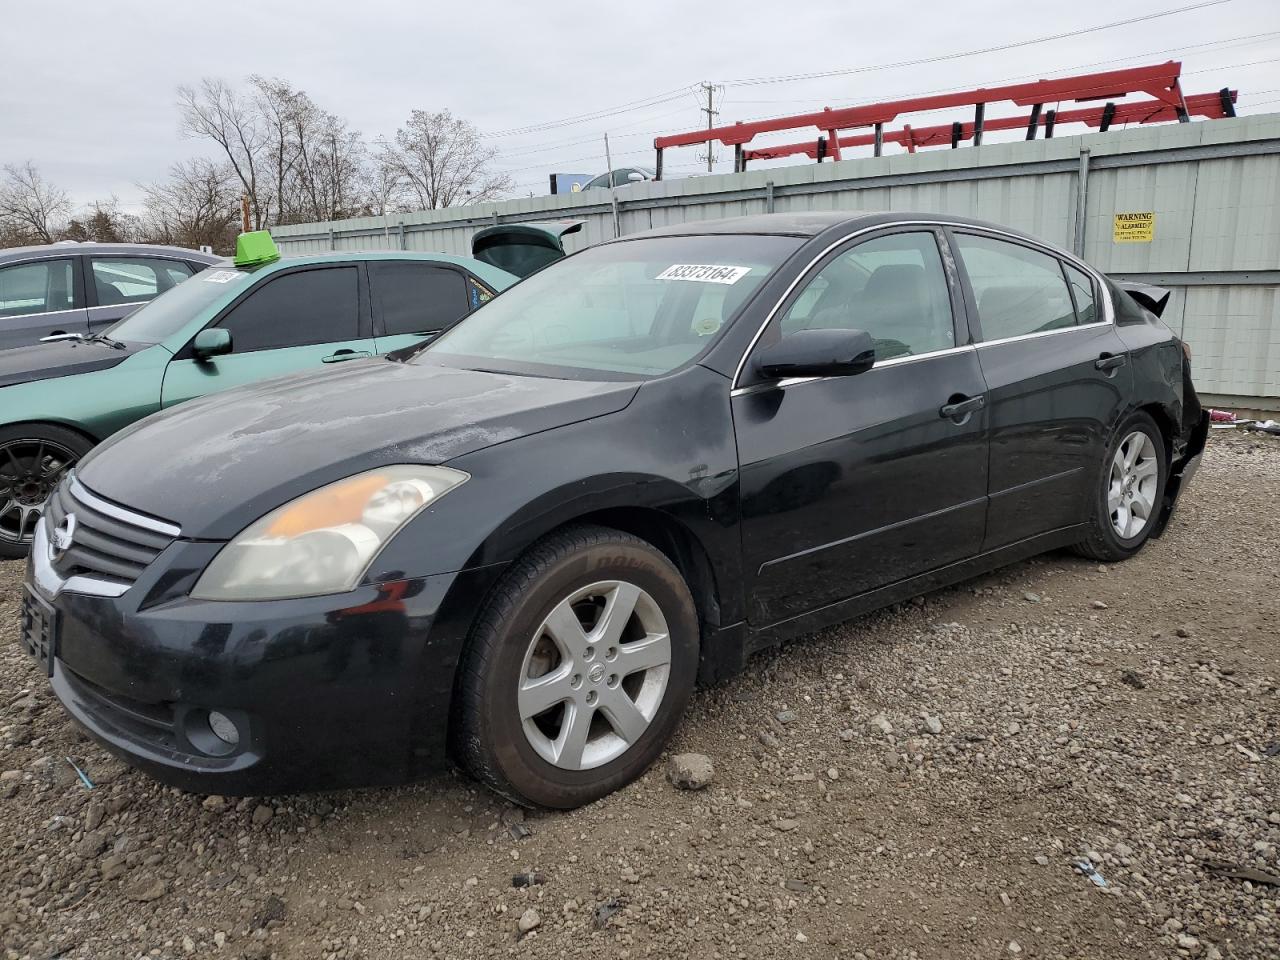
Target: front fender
[[670, 451], [97, 403]]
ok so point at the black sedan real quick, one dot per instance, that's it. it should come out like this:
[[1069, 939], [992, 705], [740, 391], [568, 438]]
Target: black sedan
[[521, 545]]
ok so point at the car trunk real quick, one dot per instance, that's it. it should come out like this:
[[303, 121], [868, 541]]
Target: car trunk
[[523, 248]]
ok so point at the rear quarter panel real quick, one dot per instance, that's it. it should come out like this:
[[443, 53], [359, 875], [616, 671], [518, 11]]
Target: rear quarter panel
[[1156, 358]]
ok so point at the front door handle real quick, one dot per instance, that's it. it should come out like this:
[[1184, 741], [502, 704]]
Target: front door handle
[[345, 354], [1110, 361], [963, 406]]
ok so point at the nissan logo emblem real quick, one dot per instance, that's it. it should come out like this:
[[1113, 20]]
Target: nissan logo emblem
[[63, 537]]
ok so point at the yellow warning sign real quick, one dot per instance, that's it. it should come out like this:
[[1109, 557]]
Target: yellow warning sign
[[1134, 228]]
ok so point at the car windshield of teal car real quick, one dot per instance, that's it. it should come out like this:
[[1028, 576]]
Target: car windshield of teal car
[[631, 310], [175, 308]]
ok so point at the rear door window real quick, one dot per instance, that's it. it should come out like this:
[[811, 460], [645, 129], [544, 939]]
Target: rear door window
[[1083, 292], [43, 286], [417, 297], [297, 309], [1018, 290]]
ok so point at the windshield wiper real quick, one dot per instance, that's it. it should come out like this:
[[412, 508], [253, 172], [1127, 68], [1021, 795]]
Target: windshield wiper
[[81, 338], [103, 338]]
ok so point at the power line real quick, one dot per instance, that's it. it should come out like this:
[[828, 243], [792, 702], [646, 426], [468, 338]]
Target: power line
[[676, 93], [653, 101], [1251, 63], [544, 147], [1253, 37], [754, 81]]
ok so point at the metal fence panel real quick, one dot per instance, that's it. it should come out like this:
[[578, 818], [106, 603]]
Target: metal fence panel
[[1213, 186]]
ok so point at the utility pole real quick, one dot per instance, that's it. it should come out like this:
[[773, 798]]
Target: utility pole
[[711, 113]]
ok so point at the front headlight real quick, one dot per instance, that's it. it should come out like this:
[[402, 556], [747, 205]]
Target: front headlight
[[323, 542]]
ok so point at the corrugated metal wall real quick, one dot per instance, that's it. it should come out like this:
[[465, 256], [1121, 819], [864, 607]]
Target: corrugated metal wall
[[1214, 187]]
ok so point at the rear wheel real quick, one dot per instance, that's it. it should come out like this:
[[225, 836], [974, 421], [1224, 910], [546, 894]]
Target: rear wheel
[[1130, 491], [33, 459], [577, 670]]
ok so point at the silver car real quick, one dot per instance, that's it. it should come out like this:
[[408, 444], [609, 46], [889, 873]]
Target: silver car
[[81, 288]]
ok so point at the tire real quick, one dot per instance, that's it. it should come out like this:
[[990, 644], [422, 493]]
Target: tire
[[1130, 488], [33, 458], [545, 637]]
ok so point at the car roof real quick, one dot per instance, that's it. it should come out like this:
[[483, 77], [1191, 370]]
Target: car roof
[[810, 224], [484, 271], [69, 248]]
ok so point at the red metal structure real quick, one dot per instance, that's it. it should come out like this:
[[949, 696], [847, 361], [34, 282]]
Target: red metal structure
[[1209, 105], [1159, 81]]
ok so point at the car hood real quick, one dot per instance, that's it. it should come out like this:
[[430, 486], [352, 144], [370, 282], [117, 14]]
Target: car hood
[[60, 358], [216, 464]]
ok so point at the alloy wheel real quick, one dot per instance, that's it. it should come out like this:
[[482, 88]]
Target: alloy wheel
[[1132, 485], [29, 471], [594, 675]]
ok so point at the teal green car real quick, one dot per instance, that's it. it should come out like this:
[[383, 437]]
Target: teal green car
[[234, 323]]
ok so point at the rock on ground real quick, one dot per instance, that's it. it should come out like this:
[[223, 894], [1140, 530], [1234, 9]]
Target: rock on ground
[[691, 771]]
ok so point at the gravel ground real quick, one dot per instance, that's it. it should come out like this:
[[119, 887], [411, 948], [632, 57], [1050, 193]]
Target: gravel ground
[[918, 784]]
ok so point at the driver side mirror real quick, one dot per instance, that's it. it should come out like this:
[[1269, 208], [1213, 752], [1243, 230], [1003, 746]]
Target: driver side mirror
[[211, 342], [818, 353]]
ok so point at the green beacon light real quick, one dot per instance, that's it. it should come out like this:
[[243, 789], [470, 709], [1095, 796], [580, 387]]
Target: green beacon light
[[256, 248]]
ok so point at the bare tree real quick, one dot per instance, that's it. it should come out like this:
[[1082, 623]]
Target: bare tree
[[318, 165], [30, 206], [379, 192], [197, 206], [294, 160], [437, 160], [215, 111], [104, 222], [333, 170], [282, 110]]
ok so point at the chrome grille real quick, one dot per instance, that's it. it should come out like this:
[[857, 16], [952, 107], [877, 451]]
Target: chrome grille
[[107, 541]]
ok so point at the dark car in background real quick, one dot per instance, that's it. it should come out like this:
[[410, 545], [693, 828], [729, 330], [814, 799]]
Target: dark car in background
[[619, 178], [81, 288], [521, 544]]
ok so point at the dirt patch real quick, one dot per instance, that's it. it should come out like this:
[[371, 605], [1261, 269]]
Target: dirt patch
[[918, 784]]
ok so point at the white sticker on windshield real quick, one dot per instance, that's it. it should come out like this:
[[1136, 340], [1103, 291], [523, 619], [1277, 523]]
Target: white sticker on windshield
[[703, 273], [220, 276]]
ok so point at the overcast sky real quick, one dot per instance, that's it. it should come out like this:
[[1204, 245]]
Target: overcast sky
[[87, 89]]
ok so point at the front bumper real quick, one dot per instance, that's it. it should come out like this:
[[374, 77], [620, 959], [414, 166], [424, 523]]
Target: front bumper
[[325, 692]]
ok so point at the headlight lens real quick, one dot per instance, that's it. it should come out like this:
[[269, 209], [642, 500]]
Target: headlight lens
[[323, 542]]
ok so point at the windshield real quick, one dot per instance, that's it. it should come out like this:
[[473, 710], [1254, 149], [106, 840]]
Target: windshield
[[640, 308], [173, 309]]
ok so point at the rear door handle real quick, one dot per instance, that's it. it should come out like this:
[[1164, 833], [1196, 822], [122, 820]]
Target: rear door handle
[[345, 354], [962, 408], [1110, 361]]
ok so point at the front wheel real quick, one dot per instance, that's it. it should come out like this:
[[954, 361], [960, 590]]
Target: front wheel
[[33, 459], [577, 670], [1130, 491]]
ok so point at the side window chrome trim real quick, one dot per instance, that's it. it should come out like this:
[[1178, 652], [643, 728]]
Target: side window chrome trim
[[973, 228], [41, 313], [879, 365], [1042, 333]]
